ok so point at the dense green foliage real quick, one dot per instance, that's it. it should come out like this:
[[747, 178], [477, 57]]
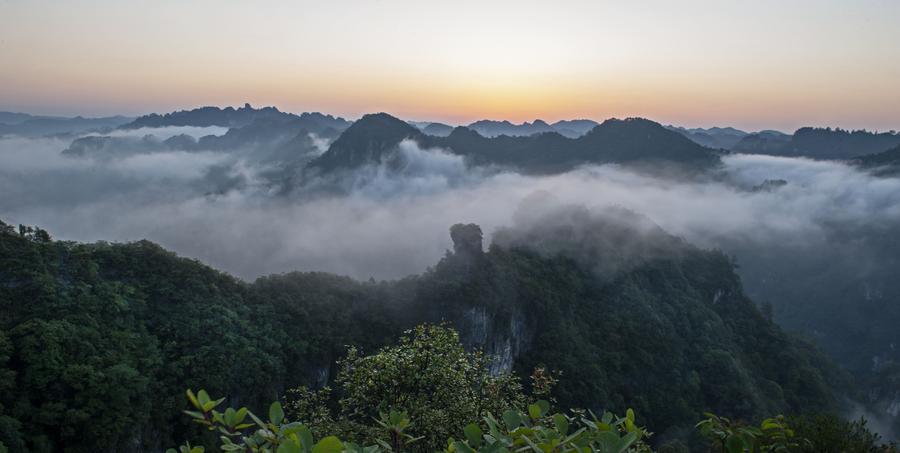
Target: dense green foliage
[[841, 293], [629, 315], [534, 430], [631, 319], [445, 387], [117, 330], [806, 434], [827, 433], [428, 375], [772, 435]]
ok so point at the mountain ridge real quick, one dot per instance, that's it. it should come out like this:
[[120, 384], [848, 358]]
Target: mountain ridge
[[614, 141], [231, 117]]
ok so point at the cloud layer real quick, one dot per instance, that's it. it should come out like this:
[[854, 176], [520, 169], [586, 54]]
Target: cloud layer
[[393, 221]]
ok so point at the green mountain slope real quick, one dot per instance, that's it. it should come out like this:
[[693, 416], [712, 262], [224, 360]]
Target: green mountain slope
[[631, 316]]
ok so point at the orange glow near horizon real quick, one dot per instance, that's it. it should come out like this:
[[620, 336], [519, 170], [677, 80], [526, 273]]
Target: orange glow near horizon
[[701, 63]]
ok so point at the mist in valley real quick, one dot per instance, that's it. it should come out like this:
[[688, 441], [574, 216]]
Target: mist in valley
[[383, 222]]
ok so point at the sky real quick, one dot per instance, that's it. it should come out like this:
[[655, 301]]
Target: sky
[[755, 65]]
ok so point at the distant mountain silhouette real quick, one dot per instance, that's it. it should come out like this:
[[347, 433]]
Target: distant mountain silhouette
[[765, 142], [271, 139], [714, 137], [574, 128], [841, 144], [438, 129], [9, 118], [267, 130], [99, 146], [26, 125], [373, 137], [231, 118], [819, 143], [491, 128]]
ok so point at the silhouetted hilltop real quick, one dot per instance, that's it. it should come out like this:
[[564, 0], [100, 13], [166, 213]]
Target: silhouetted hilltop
[[285, 140], [231, 117], [765, 142], [574, 128], [208, 116], [714, 137], [635, 139], [368, 140], [831, 143], [438, 129], [818, 143], [491, 128]]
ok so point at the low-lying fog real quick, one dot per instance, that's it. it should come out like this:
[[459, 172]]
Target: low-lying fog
[[391, 223]]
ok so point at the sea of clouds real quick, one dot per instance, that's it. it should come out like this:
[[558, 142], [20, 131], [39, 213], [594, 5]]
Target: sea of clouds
[[388, 222]]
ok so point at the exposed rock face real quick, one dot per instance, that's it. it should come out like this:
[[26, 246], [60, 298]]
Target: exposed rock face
[[467, 239], [503, 339]]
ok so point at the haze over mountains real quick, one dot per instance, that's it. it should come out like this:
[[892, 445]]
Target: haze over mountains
[[822, 143], [27, 125], [810, 218], [373, 138]]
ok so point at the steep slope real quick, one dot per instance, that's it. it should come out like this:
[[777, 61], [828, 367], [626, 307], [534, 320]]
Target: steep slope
[[631, 315], [116, 332], [367, 141]]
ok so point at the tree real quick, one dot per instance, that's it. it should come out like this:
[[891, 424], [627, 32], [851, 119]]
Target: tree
[[772, 435], [534, 431], [428, 375], [830, 434]]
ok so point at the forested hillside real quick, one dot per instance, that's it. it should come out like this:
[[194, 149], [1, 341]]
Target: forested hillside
[[630, 316]]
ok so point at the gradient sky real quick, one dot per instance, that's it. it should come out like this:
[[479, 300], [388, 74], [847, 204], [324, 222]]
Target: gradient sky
[[752, 64]]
